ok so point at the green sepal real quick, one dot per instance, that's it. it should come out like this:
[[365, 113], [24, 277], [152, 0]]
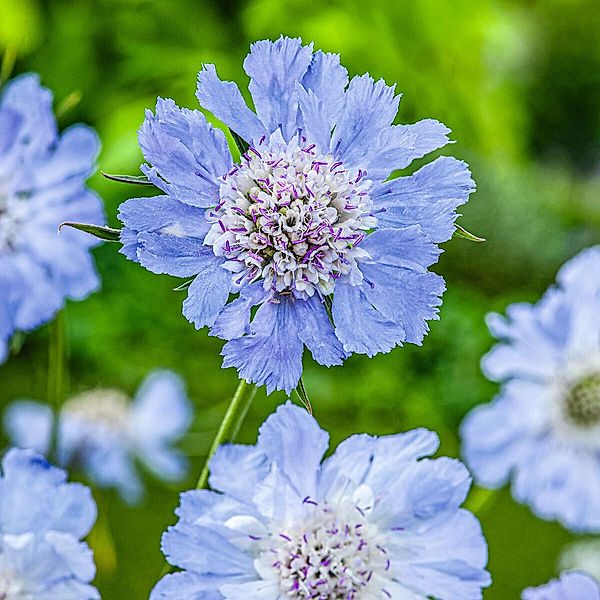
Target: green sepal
[[108, 234], [463, 233], [139, 179], [241, 143]]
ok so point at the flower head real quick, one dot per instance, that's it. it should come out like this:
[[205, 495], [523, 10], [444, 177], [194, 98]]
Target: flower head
[[103, 431], [544, 427], [305, 225], [42, 177], [572, 585], [42, 520], [375, 520]]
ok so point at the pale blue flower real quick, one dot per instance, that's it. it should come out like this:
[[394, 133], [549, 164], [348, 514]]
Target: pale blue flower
[[42, 176], [103, 432], [42, 520], [543, 429], [572, 585], [375, 520], [307, 225]]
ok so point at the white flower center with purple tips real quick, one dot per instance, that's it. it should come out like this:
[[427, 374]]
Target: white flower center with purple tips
[[104, 408], [334, 553], [12, 212], [292, 216], [582, 403]]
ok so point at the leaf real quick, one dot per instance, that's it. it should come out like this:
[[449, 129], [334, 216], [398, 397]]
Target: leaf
[[463, 233], [139, 179], [242, 144], [108, 234]]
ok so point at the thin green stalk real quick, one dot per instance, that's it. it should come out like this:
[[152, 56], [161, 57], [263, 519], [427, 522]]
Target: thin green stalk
[[8, 62], [301, 391], [56, 373], [242, 414], [229, 425]]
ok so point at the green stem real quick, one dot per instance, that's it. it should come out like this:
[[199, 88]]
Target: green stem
[[229, 425], [301, 391], [56, 373]]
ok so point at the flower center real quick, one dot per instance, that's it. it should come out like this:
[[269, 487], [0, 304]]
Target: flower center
[[293, 217], [582, 403], [333, 555], [106, 408]]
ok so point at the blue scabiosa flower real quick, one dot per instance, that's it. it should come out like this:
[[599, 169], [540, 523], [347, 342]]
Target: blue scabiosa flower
[[543, 429], [103, 432], [306, 225], [42, 177], [42, 520], [572, 585], [373, 521]]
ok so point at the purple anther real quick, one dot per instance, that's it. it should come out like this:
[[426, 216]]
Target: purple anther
[[387, 565], [239, 229], [262, 139], [310, 193], [223, 228], [397, 528], [359, 510], [337, 235], [246, 156], [369, 283], [285, 203], [339, 172], [310, 251], [295, 585], [322, 582], [360, 174], [300, 241], [294, 555], [341, 581], [361, 545], [255, 151], [358, 525], [219, 206], [227, 247], [326, 562], [304, 538], [312, 595], [386, 592], [309, 148], [256, 257], [285, 537], [253, 537], [350, 207], [253, 215], [276, 564], [278, 161], [347, 530], [335, 165], [380, 548], [369, 576], [295, 191], [238, 210]]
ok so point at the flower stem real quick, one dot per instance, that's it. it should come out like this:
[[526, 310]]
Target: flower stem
[[56, 374], [301, 391], [229, 426]]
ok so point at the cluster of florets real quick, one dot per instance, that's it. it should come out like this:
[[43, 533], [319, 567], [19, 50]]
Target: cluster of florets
[[292, 216]]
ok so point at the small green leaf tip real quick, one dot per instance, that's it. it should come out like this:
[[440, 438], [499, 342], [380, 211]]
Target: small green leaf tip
[[463, 233], [242, 144], [139, 179], [108, 234]]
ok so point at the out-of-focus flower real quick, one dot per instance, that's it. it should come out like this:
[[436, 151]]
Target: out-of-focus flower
[[306, 225], [543, 429], [42, 520], [376, 520], [103, 432], [572, 585], [42, 176], [582, 555]]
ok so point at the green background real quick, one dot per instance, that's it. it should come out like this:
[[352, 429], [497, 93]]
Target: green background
[[518, 83]]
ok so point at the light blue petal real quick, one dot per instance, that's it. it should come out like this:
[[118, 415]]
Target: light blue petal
[[189, 154], [224, 100], [10, 123], [398, 285], [201, 550], [428, 198], [188, 586], [359, 326], [272, 353], [76, 556], [234, 320], [572, 585], [315, 127], [327, 79], [28, 424], [274, 68], [291, 433], [235, 470], [316, 332], [174, 255], [369, 107], [26, 96], [397, 146], [208, 293]]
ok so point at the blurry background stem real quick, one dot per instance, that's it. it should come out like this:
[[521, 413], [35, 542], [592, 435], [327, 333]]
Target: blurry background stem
[[56, 373], [230, 426]]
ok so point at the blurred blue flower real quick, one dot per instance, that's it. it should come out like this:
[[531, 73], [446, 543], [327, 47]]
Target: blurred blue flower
[[42, 177], [375, 520], [572, 585], [305, 225], [543, 430], [42, 520], [103, 432]]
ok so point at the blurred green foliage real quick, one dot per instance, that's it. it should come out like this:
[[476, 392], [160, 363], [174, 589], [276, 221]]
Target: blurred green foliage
[[518, 82]]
